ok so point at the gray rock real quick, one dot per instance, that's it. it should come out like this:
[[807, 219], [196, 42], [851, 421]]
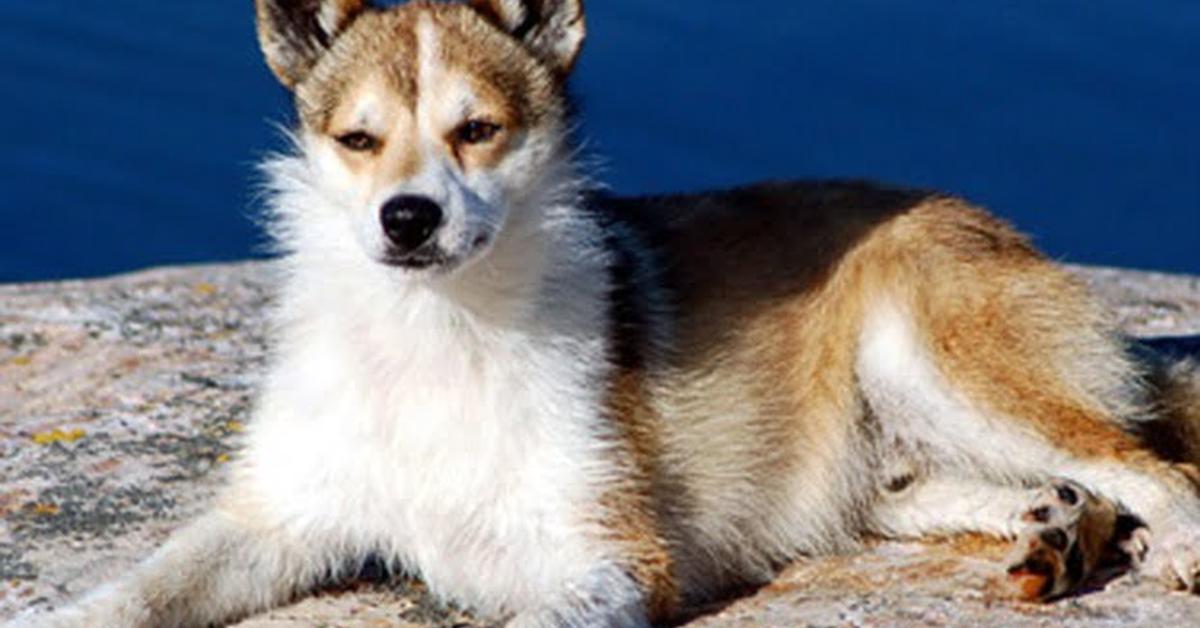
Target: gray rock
[[122, 400]]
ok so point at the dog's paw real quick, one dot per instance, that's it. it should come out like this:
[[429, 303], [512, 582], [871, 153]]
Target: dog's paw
[[1174, 558], [1068, 532]]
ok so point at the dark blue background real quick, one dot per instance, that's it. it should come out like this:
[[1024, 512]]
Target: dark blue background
[[129, 128]]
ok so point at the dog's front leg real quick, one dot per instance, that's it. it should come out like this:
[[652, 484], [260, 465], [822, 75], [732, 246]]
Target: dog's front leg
[[222, 567], [605, 596]]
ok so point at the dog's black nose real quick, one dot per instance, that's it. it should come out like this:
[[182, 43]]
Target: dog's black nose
[[409, 221]]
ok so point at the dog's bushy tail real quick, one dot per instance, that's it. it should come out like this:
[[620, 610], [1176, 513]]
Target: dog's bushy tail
[[1173, 377]]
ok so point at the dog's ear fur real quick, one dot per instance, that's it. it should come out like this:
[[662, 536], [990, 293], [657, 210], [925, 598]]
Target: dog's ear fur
[[553, 29], [293, 34]]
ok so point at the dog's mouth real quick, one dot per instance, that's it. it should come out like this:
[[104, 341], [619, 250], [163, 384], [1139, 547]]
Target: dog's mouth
[[433, 259], [415, 261]]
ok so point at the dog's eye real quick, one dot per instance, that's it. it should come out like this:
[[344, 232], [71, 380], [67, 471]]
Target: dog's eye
[[358, 141], [476, 131]]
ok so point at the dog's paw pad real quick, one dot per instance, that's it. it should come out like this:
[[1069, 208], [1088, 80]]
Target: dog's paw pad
[[1067, 529], [1041, 564]]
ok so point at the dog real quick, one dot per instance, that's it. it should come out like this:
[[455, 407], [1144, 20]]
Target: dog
[[562, 408]]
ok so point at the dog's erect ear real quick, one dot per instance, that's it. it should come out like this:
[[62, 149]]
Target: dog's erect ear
[[552, 29], [295, 33]]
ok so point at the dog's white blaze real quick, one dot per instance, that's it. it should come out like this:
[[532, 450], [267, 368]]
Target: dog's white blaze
[[428, 61], [440, 95]]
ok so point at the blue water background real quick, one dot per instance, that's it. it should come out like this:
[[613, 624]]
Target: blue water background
[[129, 128]]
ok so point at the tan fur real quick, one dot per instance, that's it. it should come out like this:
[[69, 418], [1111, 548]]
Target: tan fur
[[631, 507], [398, 157]]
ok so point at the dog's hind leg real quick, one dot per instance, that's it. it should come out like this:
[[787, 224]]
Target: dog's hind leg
[[988, 361], [1015, 379], [220, 568]]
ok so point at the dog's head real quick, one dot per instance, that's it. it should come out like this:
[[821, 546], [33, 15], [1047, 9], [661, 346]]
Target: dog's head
[[427, 127]]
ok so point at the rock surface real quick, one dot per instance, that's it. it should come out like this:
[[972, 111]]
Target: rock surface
[[122, 399]]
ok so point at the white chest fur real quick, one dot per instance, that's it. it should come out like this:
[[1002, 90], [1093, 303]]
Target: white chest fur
[[469, 452]]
